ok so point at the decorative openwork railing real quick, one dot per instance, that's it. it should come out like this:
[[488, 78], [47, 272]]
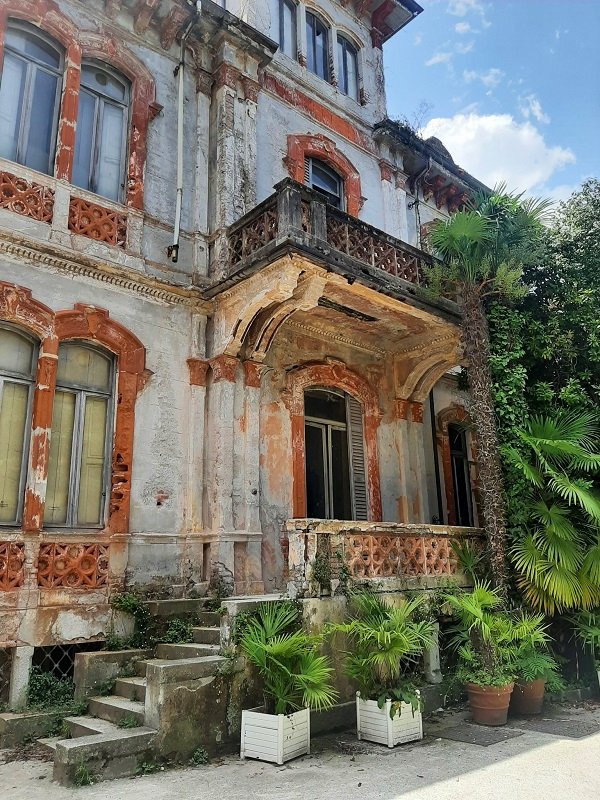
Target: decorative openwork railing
[[301, 216], [69, 565], [385, 555]]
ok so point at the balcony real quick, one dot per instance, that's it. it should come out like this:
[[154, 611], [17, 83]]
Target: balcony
[[380, 556], [298, 220]]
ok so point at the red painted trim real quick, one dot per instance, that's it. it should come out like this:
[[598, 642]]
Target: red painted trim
[[336, 376]]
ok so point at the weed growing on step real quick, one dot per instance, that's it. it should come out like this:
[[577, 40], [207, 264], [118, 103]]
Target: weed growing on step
[[149, 767], [128, 721], [199, 757], [104, 688], [178, 631], [130, 603], [83, 776]]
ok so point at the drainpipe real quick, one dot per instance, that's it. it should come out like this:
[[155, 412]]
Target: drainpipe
[[173, 249], [436, 462]]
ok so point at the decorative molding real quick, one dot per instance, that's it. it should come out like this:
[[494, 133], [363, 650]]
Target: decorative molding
[[25, 198], [72, 566], [336, 337], [12, 563], [105, 273], [224, 368], [96, 222], [198, 368], [252, 374]]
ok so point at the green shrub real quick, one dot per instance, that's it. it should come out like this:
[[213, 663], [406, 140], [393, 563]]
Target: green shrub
[[199, 757], [45, 691]]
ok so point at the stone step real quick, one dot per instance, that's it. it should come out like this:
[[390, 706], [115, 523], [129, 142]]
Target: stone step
[[115, 754], [114, 708], [132, 688], [176, 608], [140, 667], [211, 619], [88, 726], [49, 742], [207, 635], [185, 669], [179, 651]]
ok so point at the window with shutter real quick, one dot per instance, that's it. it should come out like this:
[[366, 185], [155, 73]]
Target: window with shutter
[[356, 441]]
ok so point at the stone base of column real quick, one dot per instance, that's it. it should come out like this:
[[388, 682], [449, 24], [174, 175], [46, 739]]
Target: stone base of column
[[19, 676], [236, 563]]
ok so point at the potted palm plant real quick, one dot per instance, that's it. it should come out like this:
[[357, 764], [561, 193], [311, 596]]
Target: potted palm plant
[[485, 639], [534, 666], [387, 643], [296, 679]]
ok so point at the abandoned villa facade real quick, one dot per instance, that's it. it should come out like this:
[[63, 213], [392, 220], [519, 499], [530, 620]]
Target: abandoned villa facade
[[213, 343]]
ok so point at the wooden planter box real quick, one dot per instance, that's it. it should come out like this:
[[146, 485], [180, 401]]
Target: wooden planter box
[[374, 723], [275, 737]]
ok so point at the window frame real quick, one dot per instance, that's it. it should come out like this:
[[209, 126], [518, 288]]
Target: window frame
[[345, 47], [461, 457], [81, 394], [31, 383], [100, 101], [311, 44], [292, 5], [309, 162], [26, 107]]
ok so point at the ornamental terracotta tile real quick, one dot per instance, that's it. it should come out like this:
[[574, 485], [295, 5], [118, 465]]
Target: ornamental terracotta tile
[[97, 222], [25, 198], [12, 561], [74, 566]]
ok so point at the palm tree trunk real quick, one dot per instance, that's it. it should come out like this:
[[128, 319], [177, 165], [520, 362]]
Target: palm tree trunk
[[475, 345]]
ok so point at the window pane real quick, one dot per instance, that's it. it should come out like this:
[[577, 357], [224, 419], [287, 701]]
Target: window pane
[[352, 71], [340, 475], [92, 462], [84, 140], [288, 29], [316, 482], [322, 56], [325, 405], [81, 366], [109, 172], [103, 83], [16, 353], [59, 464], [11, 104], [41, 125], [34, 48], [13, 417]]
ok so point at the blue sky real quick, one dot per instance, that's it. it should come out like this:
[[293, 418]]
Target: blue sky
[[511, 88]]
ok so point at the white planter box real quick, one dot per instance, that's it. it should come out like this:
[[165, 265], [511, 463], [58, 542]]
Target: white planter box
[[374, 723], [275, 737]]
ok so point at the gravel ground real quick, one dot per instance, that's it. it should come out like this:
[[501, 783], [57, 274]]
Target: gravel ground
[[534, 765]]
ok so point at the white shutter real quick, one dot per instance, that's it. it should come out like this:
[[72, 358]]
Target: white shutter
[[307, 178], [356, 441]]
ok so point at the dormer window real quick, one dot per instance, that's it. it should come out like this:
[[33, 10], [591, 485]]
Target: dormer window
[[324, 180], [317, 42]]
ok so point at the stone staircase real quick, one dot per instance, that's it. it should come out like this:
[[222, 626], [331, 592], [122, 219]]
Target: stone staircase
[[101, 747]]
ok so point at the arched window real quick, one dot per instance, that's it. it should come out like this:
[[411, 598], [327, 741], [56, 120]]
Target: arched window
[[326, 181], [317, 42], [336, 486], [461, 478], [101, 134], [347, 68], [81, 437], [18, 357], [30, 90], [284, 26]]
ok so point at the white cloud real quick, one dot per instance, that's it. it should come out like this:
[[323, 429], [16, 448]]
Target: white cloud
[[497, 148], [438, 58], [464, 48], [530, 106], [489, 79], [418, 40], [463, 27], [460, 8]]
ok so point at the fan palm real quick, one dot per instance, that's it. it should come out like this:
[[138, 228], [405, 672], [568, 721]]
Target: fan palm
[[483, 250], [295, 675], [558, 560], [387, 643]]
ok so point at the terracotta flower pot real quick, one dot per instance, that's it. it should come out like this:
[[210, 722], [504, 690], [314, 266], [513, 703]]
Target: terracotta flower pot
[[528, 697], [489, 704]]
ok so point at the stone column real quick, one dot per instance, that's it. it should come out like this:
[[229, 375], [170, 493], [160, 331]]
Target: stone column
[[19, 677], [219, 484], [431, 658], [252, 378], [198, 369], [419, 504]]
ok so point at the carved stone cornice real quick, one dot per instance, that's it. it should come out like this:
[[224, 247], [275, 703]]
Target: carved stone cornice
[[122, 277]]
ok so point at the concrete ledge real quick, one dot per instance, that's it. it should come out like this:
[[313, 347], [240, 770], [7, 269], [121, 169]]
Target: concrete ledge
[[94, 669], [16, 728], [163, 671]]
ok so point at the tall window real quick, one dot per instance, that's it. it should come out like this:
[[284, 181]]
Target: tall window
[[80, 441], [283, 26], [463, 498], [18, 359], [100, 146], [29, 98], [324, 180], [347, 68], [317, 40], [336, 485]]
